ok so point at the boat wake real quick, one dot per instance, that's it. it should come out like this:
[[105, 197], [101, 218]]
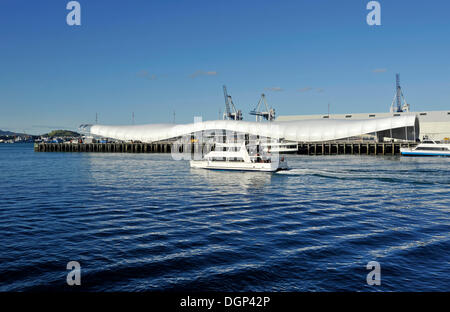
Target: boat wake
[[361, 176], [299, 171]]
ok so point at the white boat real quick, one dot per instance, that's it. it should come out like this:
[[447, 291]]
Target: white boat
[[427, 148], [236, 157], [280, 147]]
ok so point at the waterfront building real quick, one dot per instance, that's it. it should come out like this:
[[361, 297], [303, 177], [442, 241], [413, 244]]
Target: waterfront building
[[402, 127], [433, 124]]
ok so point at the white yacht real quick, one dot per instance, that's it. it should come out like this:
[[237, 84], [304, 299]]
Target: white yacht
[[427, 148], [236, 157], [280, 147]]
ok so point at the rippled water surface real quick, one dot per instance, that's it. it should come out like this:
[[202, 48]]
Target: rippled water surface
[[139, 222]]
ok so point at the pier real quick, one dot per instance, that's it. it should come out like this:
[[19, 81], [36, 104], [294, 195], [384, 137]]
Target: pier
[[351, 148], [104, 147], [318, 148]]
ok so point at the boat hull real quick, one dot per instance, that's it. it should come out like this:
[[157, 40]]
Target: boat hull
[[238, 166], [412, 153]]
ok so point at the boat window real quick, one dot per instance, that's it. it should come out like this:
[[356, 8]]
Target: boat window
[[348, 116], [396, 115], [423, 114], [371, 115], [326, 117], [426, 148]]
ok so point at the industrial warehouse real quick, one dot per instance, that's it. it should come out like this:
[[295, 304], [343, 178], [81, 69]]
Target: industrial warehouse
[[434, 125]]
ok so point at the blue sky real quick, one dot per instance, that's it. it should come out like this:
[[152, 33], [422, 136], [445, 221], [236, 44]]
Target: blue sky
[[156, 57]]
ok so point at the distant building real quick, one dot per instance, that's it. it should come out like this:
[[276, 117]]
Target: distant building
[[433, 124]]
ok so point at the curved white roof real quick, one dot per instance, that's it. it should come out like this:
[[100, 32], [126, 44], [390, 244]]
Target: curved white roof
[[300, 131]]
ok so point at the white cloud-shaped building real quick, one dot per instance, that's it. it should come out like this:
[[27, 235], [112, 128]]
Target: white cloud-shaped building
[[404, 127]]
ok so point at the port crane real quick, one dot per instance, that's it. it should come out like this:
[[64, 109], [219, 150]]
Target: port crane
[[231, 113], [397, 106], [268, 114]]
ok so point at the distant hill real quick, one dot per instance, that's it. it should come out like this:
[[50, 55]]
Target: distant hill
[[54, 133], [4, 132], [62, 133]]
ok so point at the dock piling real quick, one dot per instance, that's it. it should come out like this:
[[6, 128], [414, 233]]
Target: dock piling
[[317, 148]]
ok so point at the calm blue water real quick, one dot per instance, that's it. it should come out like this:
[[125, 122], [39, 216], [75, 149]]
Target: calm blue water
[[139, 222]]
